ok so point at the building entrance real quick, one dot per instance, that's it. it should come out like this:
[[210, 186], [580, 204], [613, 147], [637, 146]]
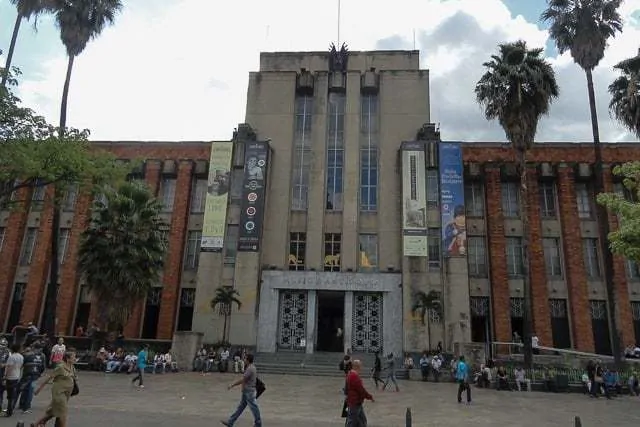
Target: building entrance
[[330, 327]]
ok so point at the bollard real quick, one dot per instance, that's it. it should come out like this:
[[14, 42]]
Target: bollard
[[578, 422], [408, 417]]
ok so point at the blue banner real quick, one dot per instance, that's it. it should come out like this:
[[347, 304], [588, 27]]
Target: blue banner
[[454, 227]]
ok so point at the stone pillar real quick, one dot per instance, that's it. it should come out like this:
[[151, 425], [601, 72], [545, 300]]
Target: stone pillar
[[623, 305], [312, 301], [457, 316], [184, 347], [501, 307], [242, 330], [537, 269], [576, 275], [348, 319]]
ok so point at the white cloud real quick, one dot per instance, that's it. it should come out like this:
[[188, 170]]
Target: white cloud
[[180, 72]]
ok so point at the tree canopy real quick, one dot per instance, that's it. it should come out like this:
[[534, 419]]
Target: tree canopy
[[625, 94], [625, 240]]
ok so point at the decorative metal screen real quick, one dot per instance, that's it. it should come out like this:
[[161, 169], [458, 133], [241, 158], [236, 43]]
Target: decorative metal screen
[[598, 309], [480, 306], [292, 326], [366, 335], [187, 297], [558, 308], [154, 296], [517, 307], [635, 310]]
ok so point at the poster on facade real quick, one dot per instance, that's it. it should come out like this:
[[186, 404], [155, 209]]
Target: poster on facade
[[256, 164], [414, 200], [218, 184], [454, 227]]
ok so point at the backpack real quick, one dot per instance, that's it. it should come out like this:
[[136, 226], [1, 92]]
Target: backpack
[[341, 365]]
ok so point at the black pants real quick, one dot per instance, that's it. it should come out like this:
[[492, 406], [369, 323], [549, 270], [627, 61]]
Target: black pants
[[462, 385], [139, 377], [13, 391], [376, 378]]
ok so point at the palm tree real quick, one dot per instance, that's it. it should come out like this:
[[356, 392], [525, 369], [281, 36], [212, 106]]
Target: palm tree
[[122, 252], [79, 21], [517, 89], [27, 9], [224, 300], [625, 94], [583, 28], [424, 304]]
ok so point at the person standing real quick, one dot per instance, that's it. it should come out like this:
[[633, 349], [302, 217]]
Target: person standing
[[32, 369], [12, 376], [63, 380], [391, 373], [141, 366], [248, 396], [4, 355], [356, 395], [57, 353], [462, 376]]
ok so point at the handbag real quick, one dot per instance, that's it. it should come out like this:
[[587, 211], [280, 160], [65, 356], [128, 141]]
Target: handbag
[[76, 390], [260, 387], [598, 379]]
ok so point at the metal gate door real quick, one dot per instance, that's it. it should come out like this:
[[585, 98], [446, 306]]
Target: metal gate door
[[366, 335], [292, 324]]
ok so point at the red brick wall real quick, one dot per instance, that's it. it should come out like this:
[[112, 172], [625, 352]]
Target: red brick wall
[[173, 267], [575, 273], [499, 283], [10, 255], [623, 305], [538, 273]]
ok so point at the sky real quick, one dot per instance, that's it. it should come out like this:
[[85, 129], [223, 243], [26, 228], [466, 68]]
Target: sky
[[177, 70]]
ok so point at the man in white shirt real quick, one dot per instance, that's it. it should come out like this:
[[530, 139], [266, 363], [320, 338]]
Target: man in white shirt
[[521, 379], [12, 375], [534, 344], [168, 360], [224, 360], [436, 364]]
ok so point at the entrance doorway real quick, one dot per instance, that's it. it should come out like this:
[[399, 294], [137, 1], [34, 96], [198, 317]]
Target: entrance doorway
[[330, 327]]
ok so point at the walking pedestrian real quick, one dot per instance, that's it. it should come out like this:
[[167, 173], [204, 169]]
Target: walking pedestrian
[[377, 369], [356, 395], [462, 376], [141, 366], [248, 396], [11, 377], [391, 373], [63, 381]]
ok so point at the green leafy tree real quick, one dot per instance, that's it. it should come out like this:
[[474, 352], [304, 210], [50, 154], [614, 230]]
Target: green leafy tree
[[423, 305], [224, 300], [26, 9], [122, 252], [625, 94], [625, 240], [517, 89], [583, 28]]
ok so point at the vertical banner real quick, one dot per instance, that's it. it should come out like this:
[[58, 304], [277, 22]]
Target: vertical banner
[[414, 200], [256, 163], [454, 227], [215, 212]]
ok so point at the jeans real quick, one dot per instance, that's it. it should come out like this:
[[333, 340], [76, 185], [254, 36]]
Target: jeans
[[462, 385], [139, 377], [356, 417], [248, 399], [26, 394], [12, 395], [112, 365]]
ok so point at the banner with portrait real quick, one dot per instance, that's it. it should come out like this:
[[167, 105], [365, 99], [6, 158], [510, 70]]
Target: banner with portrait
[[218, 184], [256, 166], [453, 217], [414, 200]]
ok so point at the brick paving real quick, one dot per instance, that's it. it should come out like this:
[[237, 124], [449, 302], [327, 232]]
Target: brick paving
[[190, 400]]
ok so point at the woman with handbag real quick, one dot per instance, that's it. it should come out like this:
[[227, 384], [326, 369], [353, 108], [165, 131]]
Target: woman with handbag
[[64, 385]]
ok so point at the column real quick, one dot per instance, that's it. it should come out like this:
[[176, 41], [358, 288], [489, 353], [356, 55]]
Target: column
[[576, 275], [623, 305], [500, 296], [537, 269], [348, 319], [312, 300], [350, 209]]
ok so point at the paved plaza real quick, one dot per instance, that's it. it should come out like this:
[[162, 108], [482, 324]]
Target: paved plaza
[[191, 400]]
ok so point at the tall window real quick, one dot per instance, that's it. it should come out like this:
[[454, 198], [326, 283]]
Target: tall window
[[335, 151], [332, 250], [63, 244], [628, 195], [547, 192], [591, 257], [231, 244], [198, 195], [368, 252], [510, 200], [369, 136], [474, 199], [433, 181], [477, 256], [28, 246], [192, 252], [2, 234], [37, 197], [297, 250], [168, 188], [70, 196], [633, 272], [17, 300], [552, 257], [434, 245], [514, 257], [185, 312], [584, 199], [302, 152]]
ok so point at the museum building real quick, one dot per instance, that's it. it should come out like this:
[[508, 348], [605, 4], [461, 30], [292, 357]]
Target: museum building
[[331, 208]]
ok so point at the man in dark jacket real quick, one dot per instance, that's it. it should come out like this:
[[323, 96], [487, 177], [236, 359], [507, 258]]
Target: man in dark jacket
[[356, 395], [32, 369]]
